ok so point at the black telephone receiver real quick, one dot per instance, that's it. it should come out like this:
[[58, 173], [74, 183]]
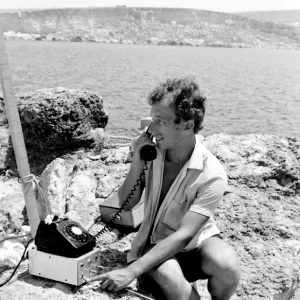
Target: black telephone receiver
[[148, 152]]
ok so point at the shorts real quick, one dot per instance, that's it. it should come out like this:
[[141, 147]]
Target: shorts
[[187, 261]]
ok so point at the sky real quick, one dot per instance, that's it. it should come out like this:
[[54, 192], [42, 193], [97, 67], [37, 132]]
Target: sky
[[214, 5]]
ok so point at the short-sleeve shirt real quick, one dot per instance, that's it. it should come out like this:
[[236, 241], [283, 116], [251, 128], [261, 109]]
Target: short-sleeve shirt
[[199, 187]]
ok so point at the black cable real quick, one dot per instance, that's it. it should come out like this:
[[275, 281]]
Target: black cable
[[16, 268], [117, 214]]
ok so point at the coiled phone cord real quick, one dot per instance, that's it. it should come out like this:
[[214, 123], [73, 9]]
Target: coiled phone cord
[[117, 214]]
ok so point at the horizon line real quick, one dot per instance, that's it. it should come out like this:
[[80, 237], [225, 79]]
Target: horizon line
[[156, 7]]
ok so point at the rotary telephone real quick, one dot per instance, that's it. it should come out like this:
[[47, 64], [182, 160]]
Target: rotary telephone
[[68, 238], [64, 237]]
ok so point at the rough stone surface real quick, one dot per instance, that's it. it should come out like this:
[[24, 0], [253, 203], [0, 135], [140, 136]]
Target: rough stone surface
[[3, 119], [259, 215], [81, 185], [10, 253], [58, 117]]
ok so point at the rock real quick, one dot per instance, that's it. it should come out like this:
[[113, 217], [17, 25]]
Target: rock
[[3, 118], [7, 224], [118, 156], [40, 38], [77, 187], [11, 252], [53, 184], [76, 39], [258, 160], [80, 197], [12, 206], [60, 118], [107, 184], [24, 235]]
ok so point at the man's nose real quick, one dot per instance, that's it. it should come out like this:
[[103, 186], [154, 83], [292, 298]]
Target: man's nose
[[151, 128]]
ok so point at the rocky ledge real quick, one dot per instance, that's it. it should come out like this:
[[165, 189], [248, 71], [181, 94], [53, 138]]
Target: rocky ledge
[[259, 215]]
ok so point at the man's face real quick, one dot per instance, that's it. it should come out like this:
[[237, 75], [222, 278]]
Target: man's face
[[166, 132]]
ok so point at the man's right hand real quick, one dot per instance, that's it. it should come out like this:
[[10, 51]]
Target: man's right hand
[[141, 141]]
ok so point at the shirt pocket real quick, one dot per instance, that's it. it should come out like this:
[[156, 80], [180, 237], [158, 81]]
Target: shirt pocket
[[174, 214]]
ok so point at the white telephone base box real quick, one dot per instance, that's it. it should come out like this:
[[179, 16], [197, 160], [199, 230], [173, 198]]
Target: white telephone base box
[[64, 269]]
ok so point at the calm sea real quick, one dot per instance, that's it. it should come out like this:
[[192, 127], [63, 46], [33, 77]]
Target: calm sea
[[248, 90]]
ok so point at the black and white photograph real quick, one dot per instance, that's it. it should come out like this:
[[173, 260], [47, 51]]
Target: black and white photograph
[[150, 150]]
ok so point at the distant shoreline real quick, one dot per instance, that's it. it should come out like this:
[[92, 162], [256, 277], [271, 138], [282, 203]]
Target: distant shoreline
[[149, 25], [12, 36]]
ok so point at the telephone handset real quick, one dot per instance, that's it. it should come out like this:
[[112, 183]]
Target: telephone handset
[[148, 152]]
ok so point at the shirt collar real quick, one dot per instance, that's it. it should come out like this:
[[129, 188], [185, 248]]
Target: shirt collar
[[198, 156]]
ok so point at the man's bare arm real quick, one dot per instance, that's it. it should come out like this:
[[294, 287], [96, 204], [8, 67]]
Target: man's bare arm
[[133, 176], [131, 180], [167, 248], [118, 279]]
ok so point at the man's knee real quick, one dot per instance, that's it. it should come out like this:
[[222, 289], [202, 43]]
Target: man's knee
[[219, 260], [172, 283], [169, 270]]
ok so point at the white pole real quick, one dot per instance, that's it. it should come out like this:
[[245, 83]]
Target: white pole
[[17, 138]]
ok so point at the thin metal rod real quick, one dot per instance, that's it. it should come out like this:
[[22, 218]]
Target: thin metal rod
[[17, 137], [138, 294]]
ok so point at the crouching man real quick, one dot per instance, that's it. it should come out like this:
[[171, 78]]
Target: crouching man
[[178, 241]]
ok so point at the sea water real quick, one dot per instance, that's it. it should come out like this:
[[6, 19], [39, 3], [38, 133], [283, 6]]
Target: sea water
[[247, 90]]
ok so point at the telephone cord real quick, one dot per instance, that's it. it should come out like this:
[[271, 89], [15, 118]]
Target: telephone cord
[[17, 266], [117, 214]]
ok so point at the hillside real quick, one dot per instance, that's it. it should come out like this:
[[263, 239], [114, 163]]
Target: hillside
[[169, 26], [282, 16]]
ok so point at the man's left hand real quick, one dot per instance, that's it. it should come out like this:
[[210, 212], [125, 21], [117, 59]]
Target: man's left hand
[[115, 280]]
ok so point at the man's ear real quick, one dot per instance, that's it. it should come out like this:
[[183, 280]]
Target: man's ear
[[189, 125]]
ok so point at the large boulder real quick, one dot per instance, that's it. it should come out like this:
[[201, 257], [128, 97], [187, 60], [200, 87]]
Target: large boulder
[[77, 185], [59, 118]]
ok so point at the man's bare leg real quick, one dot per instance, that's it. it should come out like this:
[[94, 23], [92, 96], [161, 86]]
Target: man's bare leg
[[221, 265], [172, 282]]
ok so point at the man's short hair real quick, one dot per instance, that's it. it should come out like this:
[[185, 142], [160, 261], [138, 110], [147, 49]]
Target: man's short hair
[[185, 97]]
